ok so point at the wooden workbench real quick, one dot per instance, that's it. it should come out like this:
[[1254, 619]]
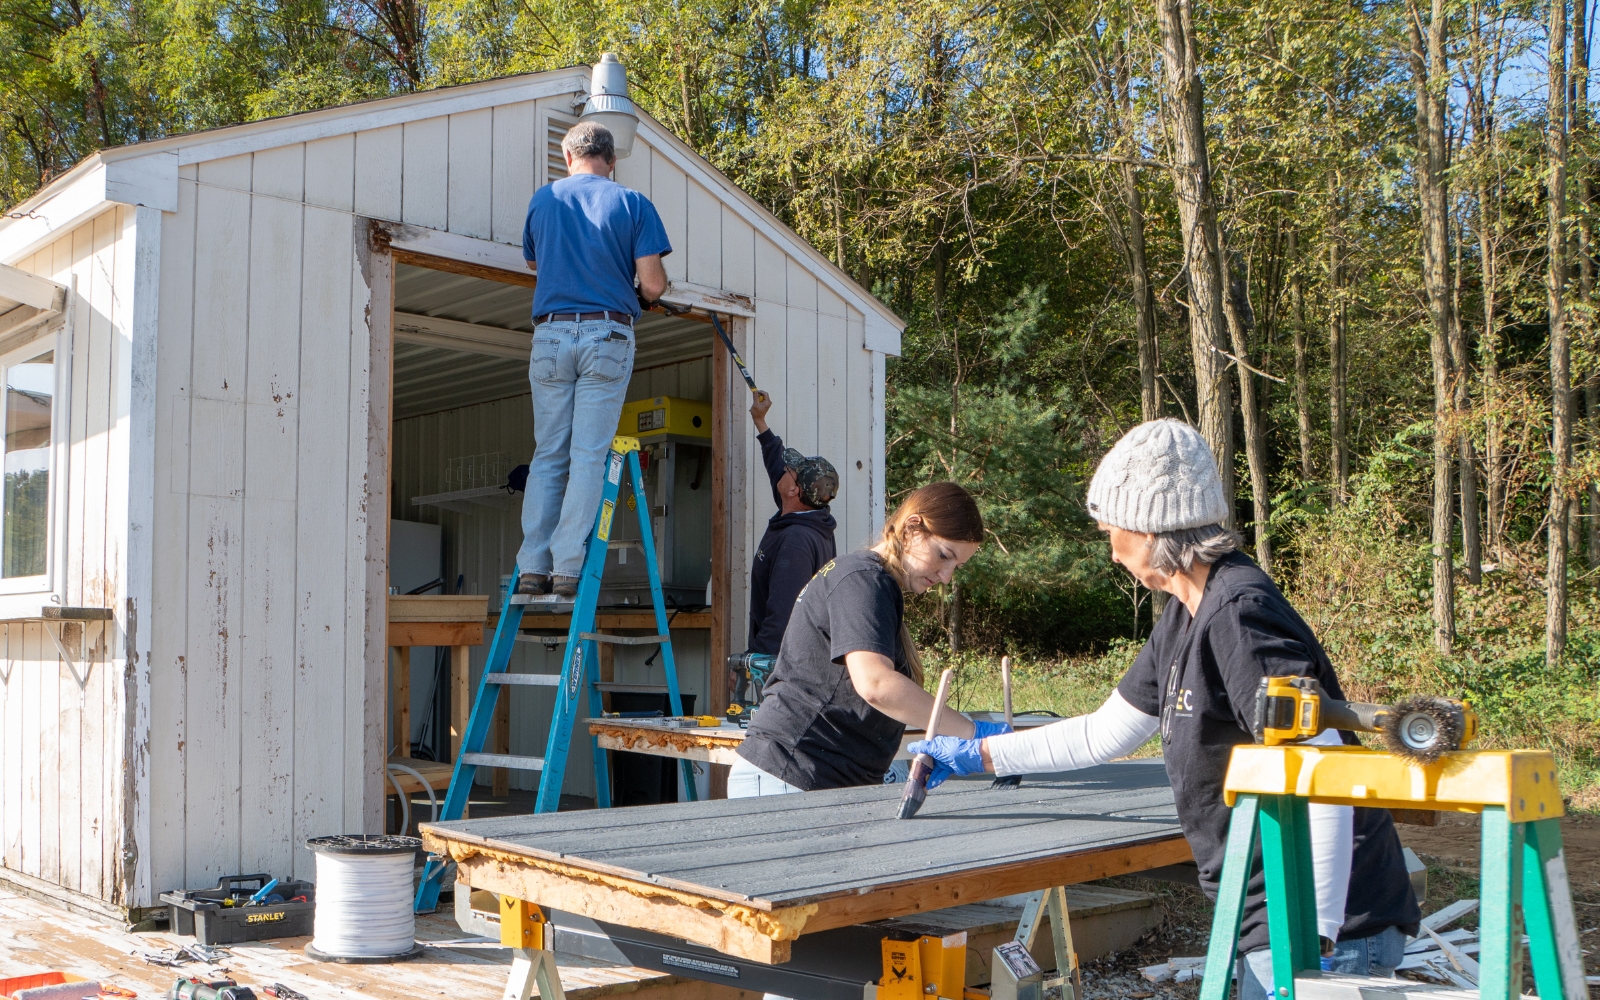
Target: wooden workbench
[[720, 744], [748, 876]]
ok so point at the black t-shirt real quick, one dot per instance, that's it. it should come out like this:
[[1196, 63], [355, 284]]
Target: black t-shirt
[[813, 730], [1199, 677]]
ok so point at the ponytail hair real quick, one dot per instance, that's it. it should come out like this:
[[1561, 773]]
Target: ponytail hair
[[947, 511]]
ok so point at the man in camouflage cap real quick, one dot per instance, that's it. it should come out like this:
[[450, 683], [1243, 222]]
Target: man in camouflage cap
[[799, 537]]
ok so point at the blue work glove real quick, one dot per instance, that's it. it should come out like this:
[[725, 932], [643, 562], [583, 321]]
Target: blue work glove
[[951, 755], [983, 730]]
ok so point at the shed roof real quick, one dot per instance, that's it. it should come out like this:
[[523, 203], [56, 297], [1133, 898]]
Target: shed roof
[[146, 173]]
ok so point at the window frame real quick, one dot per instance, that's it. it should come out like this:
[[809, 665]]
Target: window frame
[[49, 341]]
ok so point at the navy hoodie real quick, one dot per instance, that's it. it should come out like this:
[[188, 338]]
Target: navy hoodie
[[794, 547]]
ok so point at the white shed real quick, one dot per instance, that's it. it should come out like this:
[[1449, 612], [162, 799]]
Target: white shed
[[236, 357]]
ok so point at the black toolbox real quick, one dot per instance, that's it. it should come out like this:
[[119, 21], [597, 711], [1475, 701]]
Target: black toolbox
[[201, 912]]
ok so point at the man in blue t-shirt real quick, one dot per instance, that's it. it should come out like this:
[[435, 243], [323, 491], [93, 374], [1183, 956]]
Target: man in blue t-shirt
[[588, 238]]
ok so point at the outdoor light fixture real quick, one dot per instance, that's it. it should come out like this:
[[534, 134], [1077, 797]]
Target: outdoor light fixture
[[609, 105]]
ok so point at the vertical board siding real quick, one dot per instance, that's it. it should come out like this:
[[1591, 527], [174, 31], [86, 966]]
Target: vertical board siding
[[377, 173], [471, 170], [62, 741], [669, 193], [515, 158], [425, 179], [330, 172]]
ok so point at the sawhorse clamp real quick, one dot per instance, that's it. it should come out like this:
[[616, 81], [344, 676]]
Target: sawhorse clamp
[[1524, 875], [524, 929]]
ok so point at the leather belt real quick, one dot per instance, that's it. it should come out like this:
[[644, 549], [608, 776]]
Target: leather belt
[[614, 317]]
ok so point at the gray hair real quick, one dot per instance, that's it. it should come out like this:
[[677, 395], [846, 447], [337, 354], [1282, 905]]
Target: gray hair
[[590, 139], [1178, 551]]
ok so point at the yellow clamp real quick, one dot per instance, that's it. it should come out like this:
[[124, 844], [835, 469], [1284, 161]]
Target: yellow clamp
[[930, 966], [522, 924]]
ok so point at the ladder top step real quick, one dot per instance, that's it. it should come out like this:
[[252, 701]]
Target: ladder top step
[[541, 680], [503, 760], [625, 640], [542, 600]]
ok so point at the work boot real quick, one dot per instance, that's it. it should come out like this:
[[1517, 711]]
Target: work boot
[[566, 587], [533, 584]]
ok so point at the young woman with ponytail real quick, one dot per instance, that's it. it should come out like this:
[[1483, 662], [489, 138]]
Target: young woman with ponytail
[[848, 680]]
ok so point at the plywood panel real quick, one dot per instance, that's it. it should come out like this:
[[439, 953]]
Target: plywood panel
[[169, 575], [471, 170], [378, 159], [215, 708], [802, 286], [229, 172], [516, 155], [634, 172], [738, 253], [772, 271], [280, 172], [703, 242], [669, 193], [320, 550], [800, 428], [330, 172], [425, 179]]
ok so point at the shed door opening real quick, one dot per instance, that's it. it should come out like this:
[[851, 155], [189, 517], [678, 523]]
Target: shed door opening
[[462, 423]]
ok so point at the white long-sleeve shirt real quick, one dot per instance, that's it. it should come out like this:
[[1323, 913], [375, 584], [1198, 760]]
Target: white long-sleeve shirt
[[1116, 729]]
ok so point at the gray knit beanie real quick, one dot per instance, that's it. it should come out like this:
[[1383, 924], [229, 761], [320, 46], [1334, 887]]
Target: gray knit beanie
[[1160, 477]]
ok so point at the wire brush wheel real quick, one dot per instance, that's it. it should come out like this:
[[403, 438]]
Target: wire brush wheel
[[1423, 728]]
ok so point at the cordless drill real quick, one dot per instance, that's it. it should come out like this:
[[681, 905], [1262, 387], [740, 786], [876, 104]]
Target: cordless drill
[[216, 989]]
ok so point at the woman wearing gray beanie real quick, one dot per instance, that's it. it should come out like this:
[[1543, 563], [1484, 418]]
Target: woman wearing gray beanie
[[1159, 498]]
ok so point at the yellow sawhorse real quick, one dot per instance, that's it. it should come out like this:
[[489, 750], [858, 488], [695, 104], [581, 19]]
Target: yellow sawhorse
[[1523, 870]]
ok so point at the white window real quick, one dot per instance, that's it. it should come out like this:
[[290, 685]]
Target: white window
[[27, 425]]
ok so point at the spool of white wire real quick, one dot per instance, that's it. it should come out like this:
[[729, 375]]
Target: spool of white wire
[[364, 905]]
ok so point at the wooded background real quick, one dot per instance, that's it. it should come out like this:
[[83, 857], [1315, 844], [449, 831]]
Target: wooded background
[[1352, 242]]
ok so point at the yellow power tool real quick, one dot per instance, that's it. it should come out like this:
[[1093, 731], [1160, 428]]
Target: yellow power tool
[[1421, 728]]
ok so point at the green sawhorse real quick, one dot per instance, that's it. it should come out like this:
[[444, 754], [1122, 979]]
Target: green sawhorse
[[1524, 873]]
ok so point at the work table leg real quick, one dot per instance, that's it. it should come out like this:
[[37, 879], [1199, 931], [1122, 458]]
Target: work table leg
[[400, 738], [532, 967]]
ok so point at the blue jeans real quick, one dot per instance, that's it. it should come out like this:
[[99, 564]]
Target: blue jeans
[[579, 373], [1377, 955]]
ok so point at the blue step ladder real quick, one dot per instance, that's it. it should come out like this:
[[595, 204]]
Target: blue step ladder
[[581, 651]]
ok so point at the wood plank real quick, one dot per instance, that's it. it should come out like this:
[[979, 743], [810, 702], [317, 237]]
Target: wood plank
[[39, 801], [372, 392], [220, 313], [435, 633], [703, 237], [377, 182], [400, 703], [833, 394], [215, 720], [105, 344], [11, 729], [460, 695], [167, 622], [470, 187], [721, 530], [666, 743], [322, 526], [425, 175], [331, 172], [611, 621], [525, 278], [267, 766], [472, 608], [669, 189], [515, 158], [856, 476], [77, 759], [227, 171], [772, 271]]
